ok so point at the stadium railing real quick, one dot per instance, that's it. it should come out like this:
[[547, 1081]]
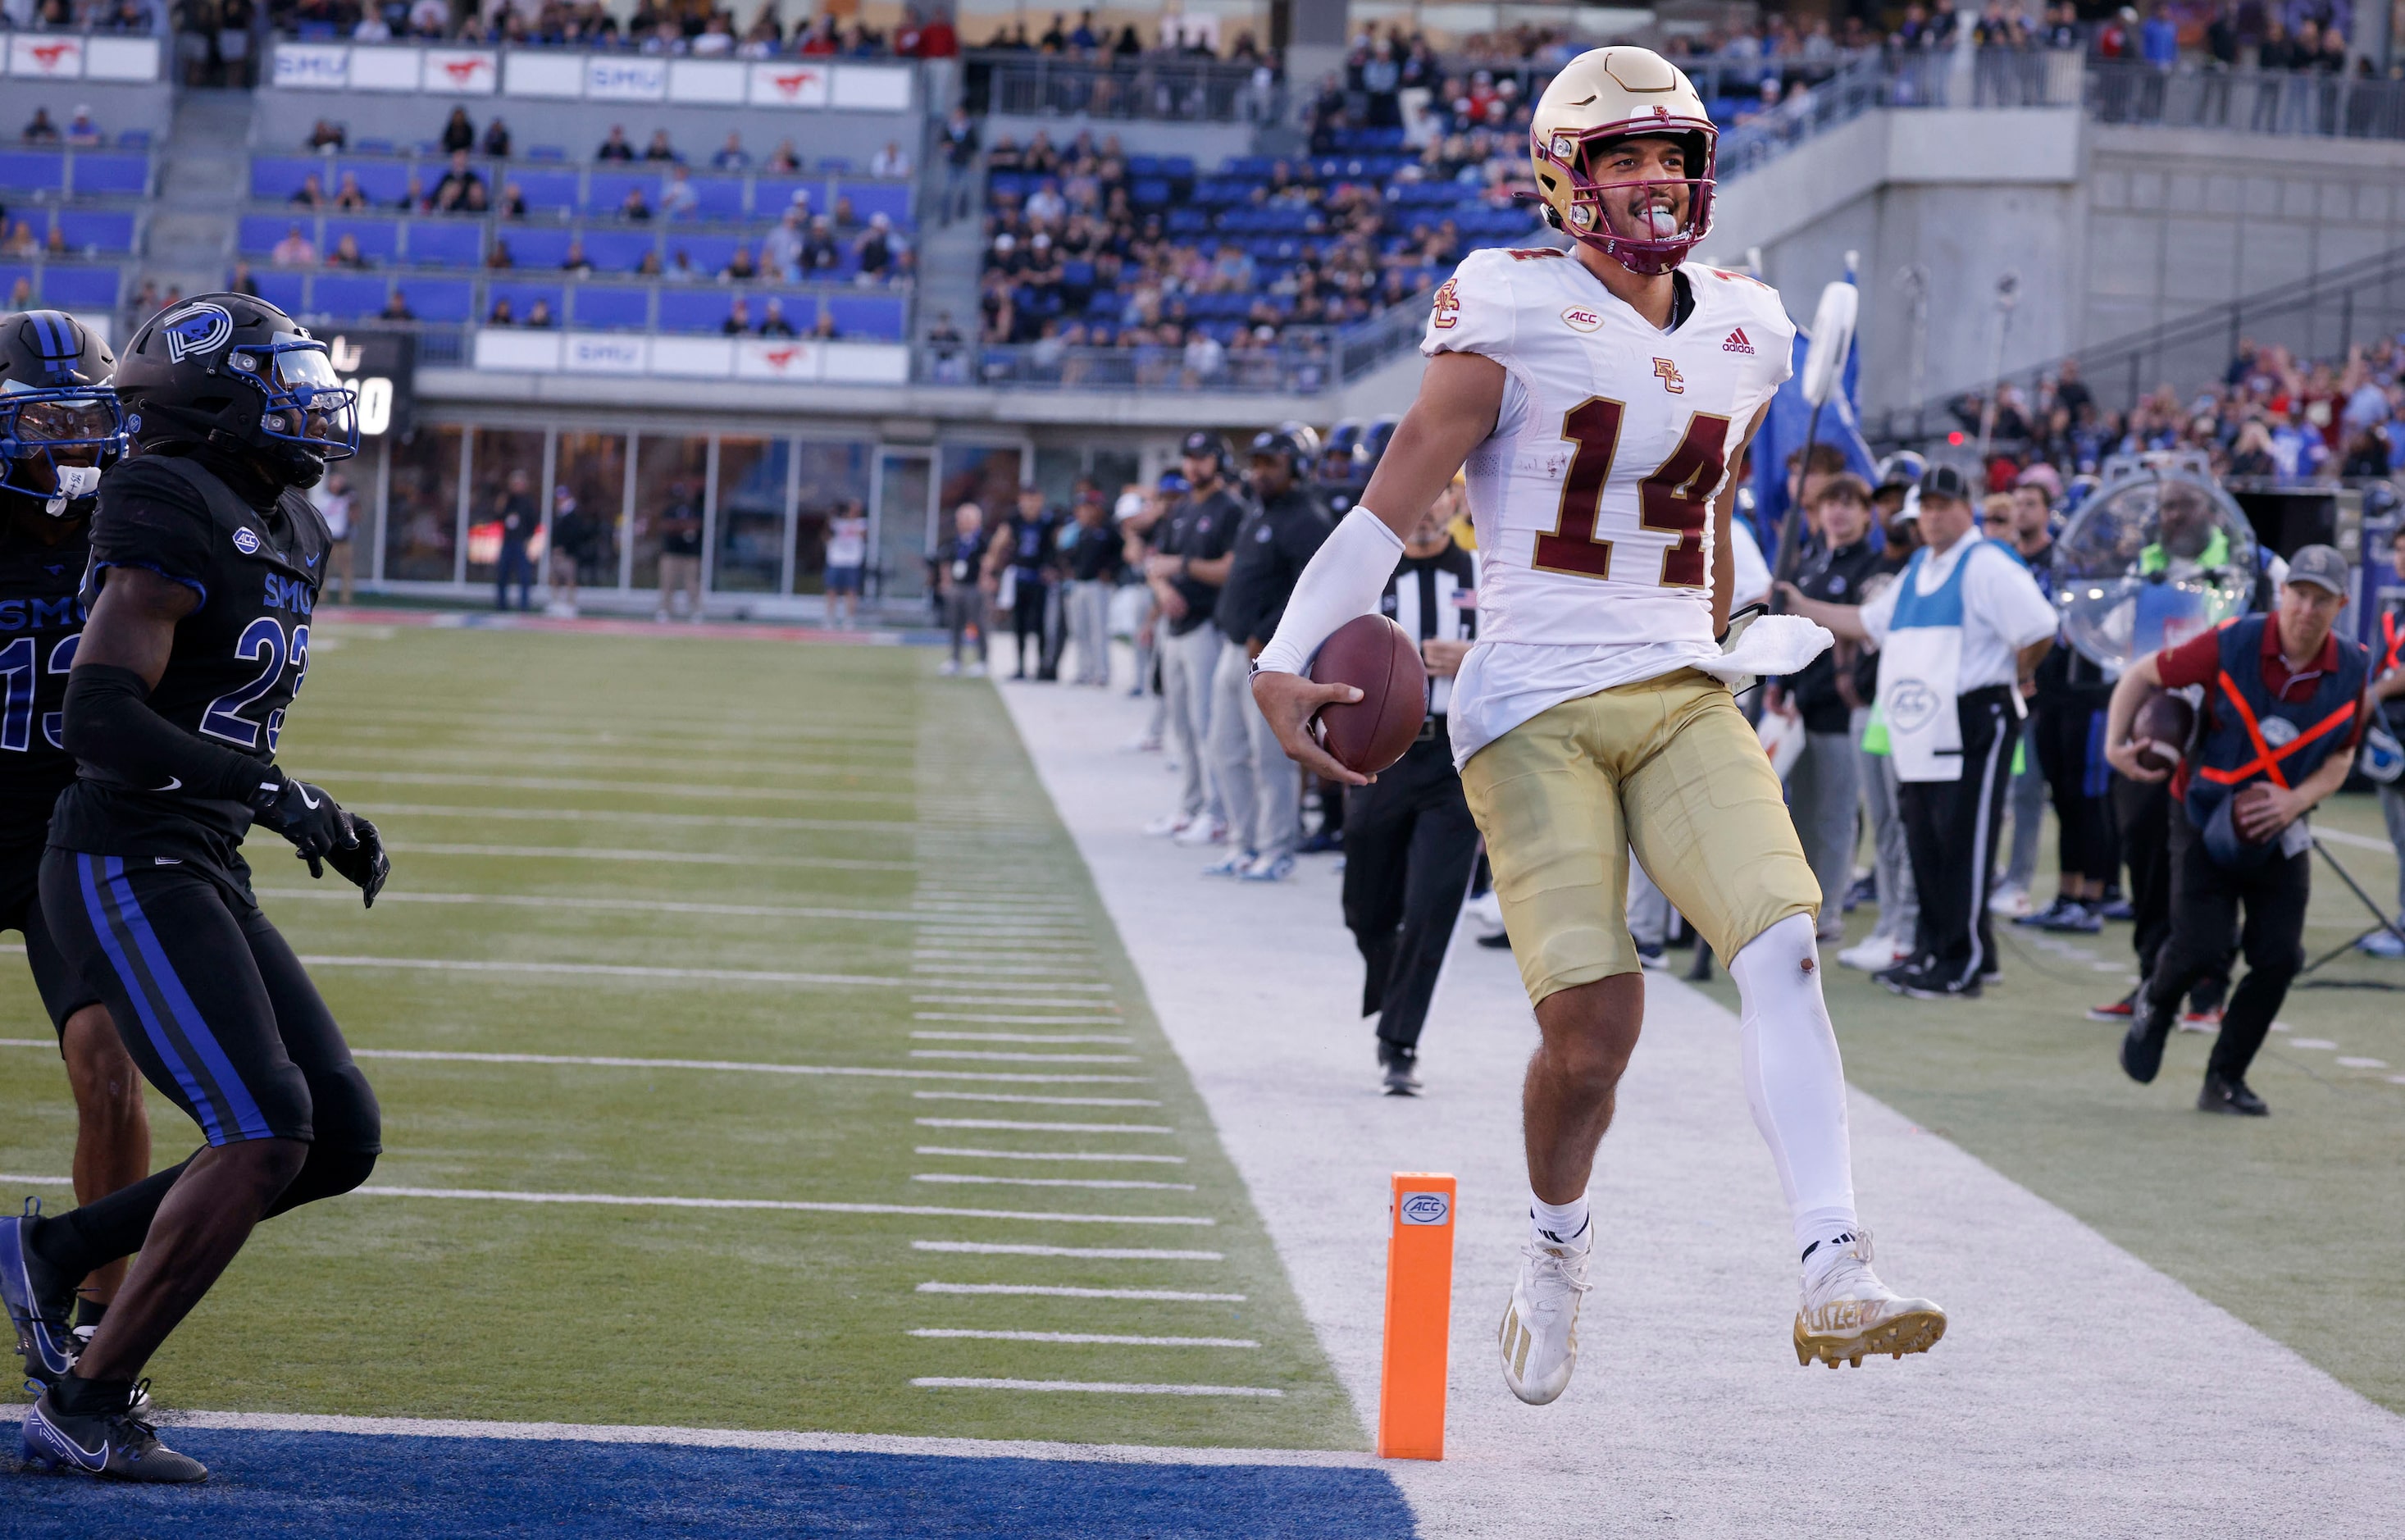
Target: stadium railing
[[2309, 103], [1170, 89]]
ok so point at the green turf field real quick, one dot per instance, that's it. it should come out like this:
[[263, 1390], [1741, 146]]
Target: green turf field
[[747, 856], [2295, 1223]]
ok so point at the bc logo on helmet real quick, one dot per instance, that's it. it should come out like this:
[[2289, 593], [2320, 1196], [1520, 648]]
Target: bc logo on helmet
[[201, 328]]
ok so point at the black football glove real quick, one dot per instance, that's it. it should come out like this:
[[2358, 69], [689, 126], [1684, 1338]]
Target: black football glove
[[308, 815], [365, 863]]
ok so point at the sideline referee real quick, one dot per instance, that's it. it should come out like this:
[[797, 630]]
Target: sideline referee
[[1409, 838]]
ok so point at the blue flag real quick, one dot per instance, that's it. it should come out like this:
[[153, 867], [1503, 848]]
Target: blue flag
[[1782, 434]]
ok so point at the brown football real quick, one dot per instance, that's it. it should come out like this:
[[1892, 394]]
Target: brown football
[[1379, 658], [2161, 729]]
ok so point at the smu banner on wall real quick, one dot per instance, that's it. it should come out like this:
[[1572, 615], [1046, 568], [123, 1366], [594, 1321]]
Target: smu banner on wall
[[795, 361], [67, 56], [540, 75]]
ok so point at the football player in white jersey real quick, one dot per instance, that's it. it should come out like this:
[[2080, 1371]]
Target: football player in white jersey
[[1600, 399]]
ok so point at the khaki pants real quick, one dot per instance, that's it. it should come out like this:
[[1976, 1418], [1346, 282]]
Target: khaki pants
[[681, 574], [1666, 766]]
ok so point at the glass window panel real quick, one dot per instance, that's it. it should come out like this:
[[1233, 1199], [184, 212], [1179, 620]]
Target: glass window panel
[[1057, 472], [1113, 470], [505, 468], [588, 501], [904, 523], [986, 475], [422, 523], [750, 514], [834, 479], [669, 474]]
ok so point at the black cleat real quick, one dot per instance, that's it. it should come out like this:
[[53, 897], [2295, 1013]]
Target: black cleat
[[2141, 1046], [39, 1304], [1399, 1064], [116, 1446], [2231, 1096], [1927, 983]]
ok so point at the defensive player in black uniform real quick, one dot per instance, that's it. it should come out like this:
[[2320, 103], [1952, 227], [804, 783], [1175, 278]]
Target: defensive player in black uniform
[[206, 564], [60, 428]]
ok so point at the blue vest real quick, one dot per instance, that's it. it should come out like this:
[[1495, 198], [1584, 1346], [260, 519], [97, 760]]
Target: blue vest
[[2306, 732], [1915, 609]]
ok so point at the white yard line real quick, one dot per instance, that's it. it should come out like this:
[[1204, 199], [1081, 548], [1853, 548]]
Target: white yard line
[[1058, 1291], [935, 1383], [2353, 841], [661, 820], [1097, 1253], [1075, 1155], [610, 970], [2018, 1424], [476, 1194], [1009, 970], [723, 1065], [1044, 1127], [1105, 1006], [1001, 1056], [1096, 1183], [1086, 1337], [988, 1095], [664, 857], [636, 906], [1019, 1037], [679, 790]]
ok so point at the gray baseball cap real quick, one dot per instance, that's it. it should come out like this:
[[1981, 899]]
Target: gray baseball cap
[[2319, 565]]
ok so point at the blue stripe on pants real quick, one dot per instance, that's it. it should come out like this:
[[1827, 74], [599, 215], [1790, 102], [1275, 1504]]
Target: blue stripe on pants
[[203, 1107], [188, 1015], [2098, 778]]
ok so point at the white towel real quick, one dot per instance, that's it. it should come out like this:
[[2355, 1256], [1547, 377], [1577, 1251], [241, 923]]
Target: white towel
[[1769, 644]]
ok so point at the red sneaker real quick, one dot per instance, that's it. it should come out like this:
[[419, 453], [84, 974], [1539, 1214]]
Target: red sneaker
[[2120, 1010]]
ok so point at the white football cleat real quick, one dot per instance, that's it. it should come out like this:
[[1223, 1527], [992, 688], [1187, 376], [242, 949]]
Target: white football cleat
[[1846, 1312], [1202, 831], [1874, 954], [1170, 824], [1539, 1334]]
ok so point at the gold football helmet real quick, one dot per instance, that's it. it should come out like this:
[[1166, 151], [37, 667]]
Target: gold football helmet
[[1617, 93]]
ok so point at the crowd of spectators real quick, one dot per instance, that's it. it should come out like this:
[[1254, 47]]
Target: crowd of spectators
[[2272, 416], [699, 29], [81, 132], [134, 17]]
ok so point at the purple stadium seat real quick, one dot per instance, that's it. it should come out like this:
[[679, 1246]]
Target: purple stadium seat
[[694, 309], [891, 199], [80, 287], [379, 240], [440, 298], [612, 307], [718, 199], [109, 230], [275, 178], [286, 291], [536, 248], [33, 171], [772, 195], [867, 318], [447, 242], [385, 181], [256, 233], [604, 191], [348, 296], [548, 191], [97, 174], [620, 250]]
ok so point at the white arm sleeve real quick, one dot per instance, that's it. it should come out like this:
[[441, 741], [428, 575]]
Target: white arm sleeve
[[1342, 583]]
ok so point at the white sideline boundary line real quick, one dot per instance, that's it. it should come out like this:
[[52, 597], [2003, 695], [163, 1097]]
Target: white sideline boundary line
[[1084, 1337], [1048, 1155], [668, 857], [1058, 1291], [636, 906], [1020, 1037], [1108, 1009], [1044, 1127], [996, 1096], [625, 788], [729, 1065], [999, 1058], [936, 1384], [608, 971], [765, 1439], [1103, 1253], [1098, 1183], [615, 1200], [666, 820]]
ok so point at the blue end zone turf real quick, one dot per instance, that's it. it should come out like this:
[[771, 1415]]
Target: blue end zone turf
[[265, 1485]]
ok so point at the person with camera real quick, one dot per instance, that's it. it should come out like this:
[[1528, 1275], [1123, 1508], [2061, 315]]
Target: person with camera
[[2282, 712]]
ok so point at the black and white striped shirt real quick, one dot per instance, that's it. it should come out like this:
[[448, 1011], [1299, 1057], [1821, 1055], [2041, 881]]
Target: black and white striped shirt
[[1435, 596]]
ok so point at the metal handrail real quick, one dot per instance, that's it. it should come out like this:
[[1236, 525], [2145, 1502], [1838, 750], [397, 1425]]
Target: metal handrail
[[2318, 104]]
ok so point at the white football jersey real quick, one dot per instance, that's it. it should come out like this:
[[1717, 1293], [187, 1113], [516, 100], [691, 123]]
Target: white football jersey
[[1593, 498]]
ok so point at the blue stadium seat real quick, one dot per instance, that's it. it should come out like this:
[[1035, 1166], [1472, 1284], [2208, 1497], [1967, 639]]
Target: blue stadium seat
[[619, 250], [801, 310], [1077, 275], [1177, 168], [100, 174], [549, 191], [97, 229], [692, 309], [284, 290], [537, 247], [604, 191], [546, 152], [772, 195], [708, 253], [522, 295], [379, 240], [839, 164], [374, 146], [450, 243], [876, 317], [718, 199], [275, 178], [1144, 165], [80, 287], [348, 296], [612, 307], [134, 138], [891, 199], [256, 233], [440, 298], [1013, 183], [385, 181], [1151, 192], [33, 171]]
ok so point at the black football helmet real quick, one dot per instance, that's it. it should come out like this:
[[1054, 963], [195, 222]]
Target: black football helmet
[[235, 374], [60, 424]]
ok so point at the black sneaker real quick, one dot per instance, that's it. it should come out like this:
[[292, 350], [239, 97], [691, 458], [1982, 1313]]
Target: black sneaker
[[2141, 1046], [1926, 983], [116, 1446], [2070, 917], [1863, 891], [1499, 941], [2232, 1096], [2043, 919], [1399, 1066]]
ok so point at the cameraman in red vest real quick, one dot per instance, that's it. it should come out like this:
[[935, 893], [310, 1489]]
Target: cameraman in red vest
[[2283, 711]]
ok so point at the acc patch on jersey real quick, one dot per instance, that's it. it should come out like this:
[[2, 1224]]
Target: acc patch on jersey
[[246, 541], [1580, 319]]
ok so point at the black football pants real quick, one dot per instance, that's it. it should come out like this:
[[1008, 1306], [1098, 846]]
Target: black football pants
[[2142, 818], [1409, 845], [2071, 756], [1950, 827], [2205, 904]]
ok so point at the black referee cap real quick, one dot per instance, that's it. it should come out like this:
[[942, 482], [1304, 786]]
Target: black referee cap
[[1946, 481]]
